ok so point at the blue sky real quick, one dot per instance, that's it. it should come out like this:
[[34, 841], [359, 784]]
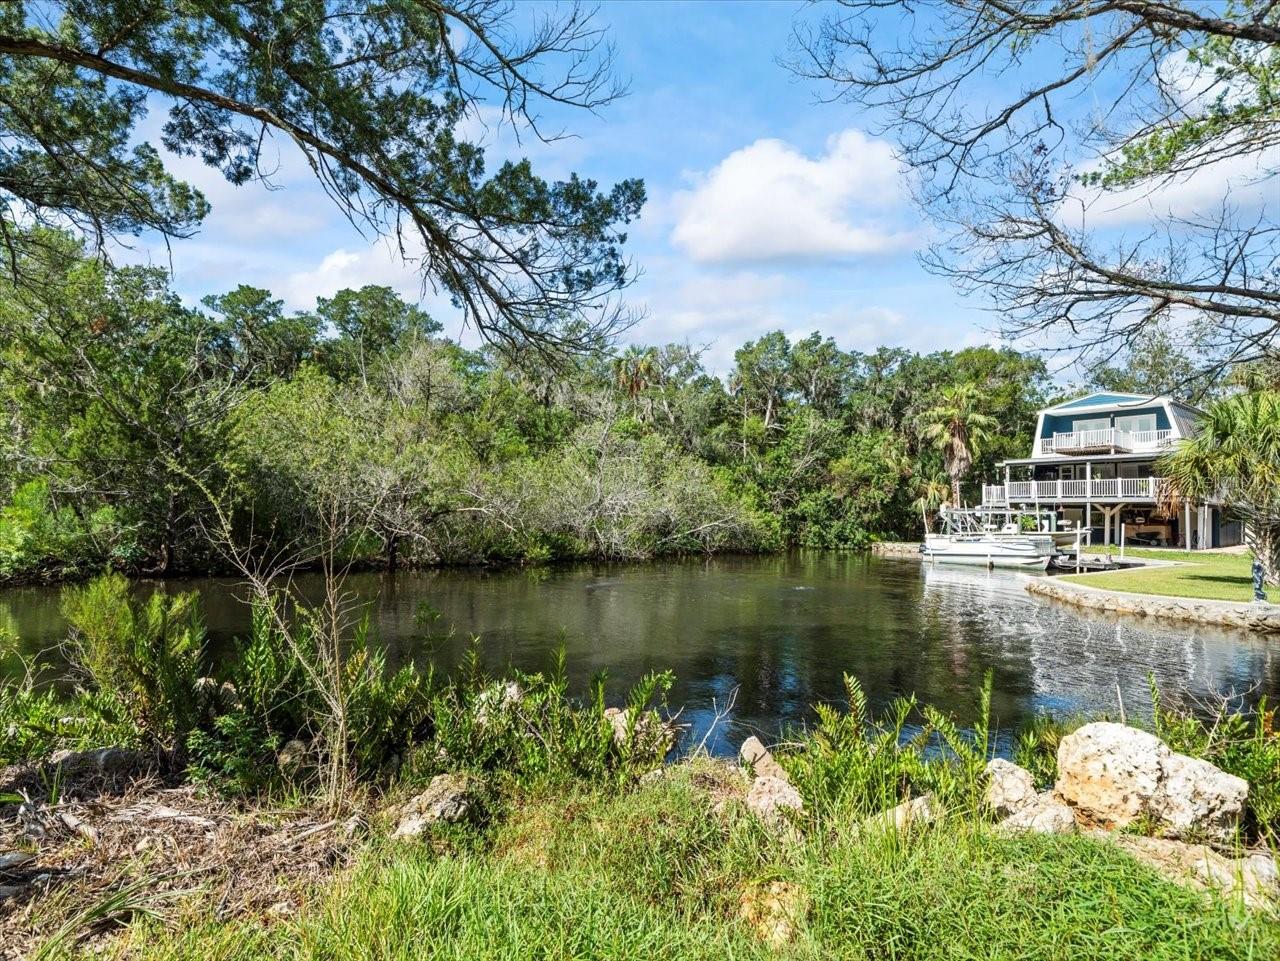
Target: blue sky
[[768, 208]]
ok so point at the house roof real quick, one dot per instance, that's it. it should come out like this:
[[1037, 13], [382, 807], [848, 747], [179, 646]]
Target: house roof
[[1109, 399]]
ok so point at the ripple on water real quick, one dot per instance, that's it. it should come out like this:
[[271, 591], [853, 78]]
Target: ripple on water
[[775, 634]]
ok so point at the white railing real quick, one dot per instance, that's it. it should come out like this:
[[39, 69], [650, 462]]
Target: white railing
[[1108, 437], [1100, 488], [1151, 439], [1066, 488]]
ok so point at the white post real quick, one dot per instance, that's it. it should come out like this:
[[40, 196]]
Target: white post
[[1186, 536], [1088, 496], [1122, 540]]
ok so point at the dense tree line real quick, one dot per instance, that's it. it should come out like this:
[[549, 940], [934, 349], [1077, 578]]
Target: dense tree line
[[130, 417]]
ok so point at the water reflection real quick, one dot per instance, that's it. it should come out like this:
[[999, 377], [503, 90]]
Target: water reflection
[[780, 631]]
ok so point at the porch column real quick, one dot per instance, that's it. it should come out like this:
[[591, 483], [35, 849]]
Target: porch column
[[1006, 485], [1088, 496], [1186, 526]]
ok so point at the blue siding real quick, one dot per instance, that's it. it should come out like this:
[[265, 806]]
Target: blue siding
[[1064, 423]]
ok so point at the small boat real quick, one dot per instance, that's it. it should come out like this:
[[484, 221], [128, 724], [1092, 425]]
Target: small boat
[[990, 550], [965, 539]]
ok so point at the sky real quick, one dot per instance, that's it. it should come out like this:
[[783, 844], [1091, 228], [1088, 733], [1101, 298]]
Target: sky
[[770, 207]]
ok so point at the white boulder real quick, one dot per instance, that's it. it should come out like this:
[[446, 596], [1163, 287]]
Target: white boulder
[[1251, 878], [915, 813], [1045, 814], [1195, 797], [1115, 775], [1010, 788]]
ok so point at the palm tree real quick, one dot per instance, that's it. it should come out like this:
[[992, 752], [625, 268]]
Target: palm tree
[[959, 430], [1235, 455], [931, 493], [634, 372]]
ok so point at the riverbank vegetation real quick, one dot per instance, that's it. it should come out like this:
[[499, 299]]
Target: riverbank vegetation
[[207, 823], [654, 871], [132, 420]]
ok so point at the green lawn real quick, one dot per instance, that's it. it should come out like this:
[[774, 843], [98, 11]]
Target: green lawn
[[1221, 577]]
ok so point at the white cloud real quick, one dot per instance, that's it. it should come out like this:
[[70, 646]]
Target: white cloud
[[769, 202], [1240, 182], [380, 263], [721, 311]]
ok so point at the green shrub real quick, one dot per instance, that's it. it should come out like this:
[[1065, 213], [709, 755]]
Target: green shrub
[[854, 761], [276, 699], [858, 763], [146, 655], [1036, 745], [36, 720], [533, 731]]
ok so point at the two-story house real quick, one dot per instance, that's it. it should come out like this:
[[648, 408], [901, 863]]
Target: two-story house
[[1093, 462]]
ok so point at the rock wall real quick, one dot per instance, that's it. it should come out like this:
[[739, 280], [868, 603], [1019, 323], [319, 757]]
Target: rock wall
[[896, 549], [1263, 618]]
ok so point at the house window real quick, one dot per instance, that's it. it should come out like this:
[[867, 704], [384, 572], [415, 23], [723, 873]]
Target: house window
[[1091, 423], [1136, 422]]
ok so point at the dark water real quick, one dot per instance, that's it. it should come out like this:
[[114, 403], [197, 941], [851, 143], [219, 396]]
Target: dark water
[[773, 635]]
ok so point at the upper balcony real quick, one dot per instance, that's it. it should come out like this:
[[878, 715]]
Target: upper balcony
[[1108, 440]]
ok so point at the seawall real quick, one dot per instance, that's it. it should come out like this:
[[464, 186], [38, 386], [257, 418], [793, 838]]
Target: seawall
[[1258, 617]]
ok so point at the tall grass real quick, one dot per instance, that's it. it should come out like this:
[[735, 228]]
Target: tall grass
[[654, 872]]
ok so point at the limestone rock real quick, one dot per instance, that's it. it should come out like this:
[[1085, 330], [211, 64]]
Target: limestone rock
[[756, 756], [213, 698], [1245, 615], [1263, 868], [774, 911], [1251, 878], [917, 812], [294, 758], [1010, 788], [770, 798], [447, 799], [1115, 774], [111, 763], [651, 734], [1044, 814], [1195, 797], [619, 720], [1110, 771], [496, 700]]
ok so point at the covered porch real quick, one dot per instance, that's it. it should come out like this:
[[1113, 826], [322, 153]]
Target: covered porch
[[1112, 497]]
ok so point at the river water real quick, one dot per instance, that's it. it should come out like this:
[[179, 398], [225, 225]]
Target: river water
[[764, 638]]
